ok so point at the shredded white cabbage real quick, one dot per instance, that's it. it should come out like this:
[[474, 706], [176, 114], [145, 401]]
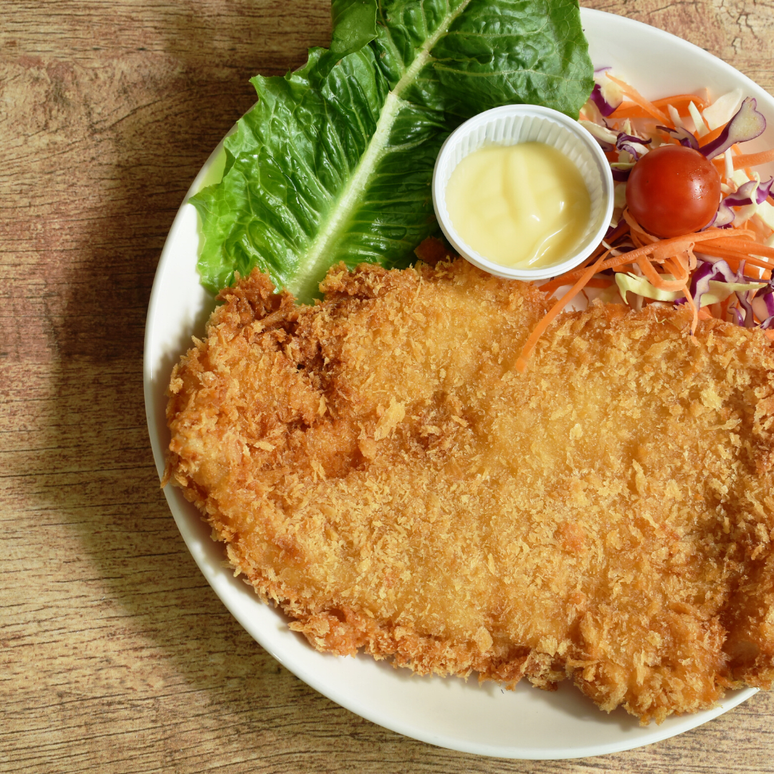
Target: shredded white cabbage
[[700, 128], [722, 110], [600, 132], [718, 291], [675, 116]]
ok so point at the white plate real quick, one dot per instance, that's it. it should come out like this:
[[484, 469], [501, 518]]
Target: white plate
[[484, 720]]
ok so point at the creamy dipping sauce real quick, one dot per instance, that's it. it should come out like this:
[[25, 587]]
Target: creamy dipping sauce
[[524, 205]]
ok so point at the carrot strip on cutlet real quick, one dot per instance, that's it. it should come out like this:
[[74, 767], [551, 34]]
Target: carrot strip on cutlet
[[557, 282], [598, 282], [695, 313], [548, 318]]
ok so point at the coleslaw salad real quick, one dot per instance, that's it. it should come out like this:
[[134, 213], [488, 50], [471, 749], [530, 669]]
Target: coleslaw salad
[[722, 271]]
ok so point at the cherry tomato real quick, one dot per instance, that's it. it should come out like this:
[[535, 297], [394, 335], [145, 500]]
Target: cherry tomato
[[673, 190]]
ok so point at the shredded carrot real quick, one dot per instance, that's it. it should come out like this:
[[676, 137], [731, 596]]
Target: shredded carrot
[[628, 109], [676, 243], [734, 258], [745, 248], [636, 229], [753, 159], [532, 340], [694, 310], [655, 279], [645, 104], [760, 232], [598, 282], [677, 266], [712, 135], [680, 102]]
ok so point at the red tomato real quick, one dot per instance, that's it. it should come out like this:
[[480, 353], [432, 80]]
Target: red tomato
[[673, 190]]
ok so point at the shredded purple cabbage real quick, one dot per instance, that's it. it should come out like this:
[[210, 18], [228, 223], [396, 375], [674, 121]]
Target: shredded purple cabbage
[[605, 108], [606, 146], [724, 217], [767, 296], [747, 124], [636, 147], [751, 192], [629, 143], [704, 273], [746, 303], [720, 271], [682, 135], [599, 98]]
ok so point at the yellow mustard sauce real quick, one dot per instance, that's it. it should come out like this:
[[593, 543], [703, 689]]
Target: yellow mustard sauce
[[524, 205]]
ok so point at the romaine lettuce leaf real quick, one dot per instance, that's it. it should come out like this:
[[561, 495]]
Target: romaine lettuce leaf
[[335, 161]]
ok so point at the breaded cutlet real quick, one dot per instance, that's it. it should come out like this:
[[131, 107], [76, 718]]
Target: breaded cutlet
[[379, 470]]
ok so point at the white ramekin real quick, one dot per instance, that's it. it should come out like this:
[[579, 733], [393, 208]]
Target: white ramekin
[[510, 125]]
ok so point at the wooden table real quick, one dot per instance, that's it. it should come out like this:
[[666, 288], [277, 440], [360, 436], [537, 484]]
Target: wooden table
[[115, 655]]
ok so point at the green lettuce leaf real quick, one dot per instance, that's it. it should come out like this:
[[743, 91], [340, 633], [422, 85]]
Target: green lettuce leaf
[[335, 161]]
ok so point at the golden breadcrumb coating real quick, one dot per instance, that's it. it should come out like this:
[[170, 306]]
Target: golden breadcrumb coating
[[379, 470]]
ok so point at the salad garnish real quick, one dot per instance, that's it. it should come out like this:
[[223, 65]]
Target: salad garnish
[[719, 266], [335, 161]]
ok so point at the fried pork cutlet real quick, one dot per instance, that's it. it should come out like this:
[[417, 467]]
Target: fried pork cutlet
[[379, 470]]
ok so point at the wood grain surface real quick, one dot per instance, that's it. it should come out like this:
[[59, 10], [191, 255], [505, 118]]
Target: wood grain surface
[[115, 655]]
